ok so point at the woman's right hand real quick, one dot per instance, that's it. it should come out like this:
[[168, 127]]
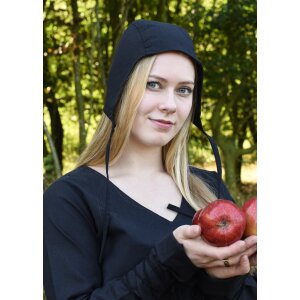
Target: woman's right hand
[[207, 256]]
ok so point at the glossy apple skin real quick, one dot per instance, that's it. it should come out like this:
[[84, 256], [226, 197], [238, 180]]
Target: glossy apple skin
[[250, 209], [195, 220], [222, 222]]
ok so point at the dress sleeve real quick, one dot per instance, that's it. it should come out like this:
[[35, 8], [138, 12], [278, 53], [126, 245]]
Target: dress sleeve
[[71, 250], [235, 288]]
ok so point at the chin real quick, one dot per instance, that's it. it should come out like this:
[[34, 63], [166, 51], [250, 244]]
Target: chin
[[163, 139], [157, 143], [154, 141]]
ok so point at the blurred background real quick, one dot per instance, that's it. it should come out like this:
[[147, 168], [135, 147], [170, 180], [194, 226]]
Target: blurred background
[[79, 41]]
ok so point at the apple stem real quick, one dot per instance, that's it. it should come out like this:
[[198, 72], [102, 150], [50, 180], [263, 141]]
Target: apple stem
[[223, 223]]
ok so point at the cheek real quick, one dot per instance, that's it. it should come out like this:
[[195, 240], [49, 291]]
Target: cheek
[[185, 110], [144, 106]]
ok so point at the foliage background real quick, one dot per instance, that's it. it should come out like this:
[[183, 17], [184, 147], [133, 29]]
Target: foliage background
[[79, 41]]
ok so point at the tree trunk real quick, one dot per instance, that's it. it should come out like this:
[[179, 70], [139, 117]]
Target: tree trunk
[[45, 149], [51, 103], [230, 154], [161, 11], [238, 169], [53, 150], [101, 66], [241, 136], [77, 75], [253, 128], [57, 131], [117, 25]]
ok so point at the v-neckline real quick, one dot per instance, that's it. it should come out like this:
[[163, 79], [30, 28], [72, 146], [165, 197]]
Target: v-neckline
[[131, 201]]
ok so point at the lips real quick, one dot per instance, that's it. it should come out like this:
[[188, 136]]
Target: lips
[[162, 123]]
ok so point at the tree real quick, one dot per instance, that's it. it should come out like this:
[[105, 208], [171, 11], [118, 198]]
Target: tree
[[79, 41], [226, 36]]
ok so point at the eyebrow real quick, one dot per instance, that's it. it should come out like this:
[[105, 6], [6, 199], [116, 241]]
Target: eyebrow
[[164, 80]]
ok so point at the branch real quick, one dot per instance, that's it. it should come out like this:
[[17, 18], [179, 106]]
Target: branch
[[248, 150]]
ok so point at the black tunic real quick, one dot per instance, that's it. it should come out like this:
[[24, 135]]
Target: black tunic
[[142, 259]]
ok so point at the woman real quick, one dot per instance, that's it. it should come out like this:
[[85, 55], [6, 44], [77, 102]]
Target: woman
[[119, 225]]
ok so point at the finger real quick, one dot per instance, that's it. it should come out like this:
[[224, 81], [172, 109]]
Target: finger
[[186, 232], [226, 272], [231, 261], [251, 240], [192, 231], [248, 252], [220, 253], [244, 266], [253, 260], [235, 260]]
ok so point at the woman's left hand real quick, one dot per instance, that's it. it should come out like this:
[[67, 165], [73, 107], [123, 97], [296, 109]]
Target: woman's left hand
[[238, 265], [253, 260]]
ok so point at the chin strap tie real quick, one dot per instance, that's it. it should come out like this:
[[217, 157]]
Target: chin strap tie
[[103, 204], [216, 154]]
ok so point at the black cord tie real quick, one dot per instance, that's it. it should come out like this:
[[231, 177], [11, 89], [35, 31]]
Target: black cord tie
[[104, 205], [217, 156], [179, 210]]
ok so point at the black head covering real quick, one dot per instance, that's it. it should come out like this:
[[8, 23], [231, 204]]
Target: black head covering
[[145, 38]]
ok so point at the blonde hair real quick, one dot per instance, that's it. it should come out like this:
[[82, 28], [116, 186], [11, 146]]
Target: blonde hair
[[175, 157]]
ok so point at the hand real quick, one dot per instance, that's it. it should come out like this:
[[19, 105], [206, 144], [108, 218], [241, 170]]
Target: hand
[[240, 264], [204, 255], [253, 260], [243, 267]]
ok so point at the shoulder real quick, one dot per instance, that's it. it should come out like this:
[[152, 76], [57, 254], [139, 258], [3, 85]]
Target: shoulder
[[210, 177], [77, 188], [212, 180], [74, 199], [81, 179]]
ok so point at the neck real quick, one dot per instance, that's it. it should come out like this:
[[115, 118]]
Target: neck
[[139, 159]]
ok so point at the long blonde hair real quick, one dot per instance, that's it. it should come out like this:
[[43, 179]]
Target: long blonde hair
[[175, 157]]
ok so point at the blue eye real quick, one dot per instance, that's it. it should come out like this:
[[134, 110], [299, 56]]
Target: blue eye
[[185, 91], [154, 85]]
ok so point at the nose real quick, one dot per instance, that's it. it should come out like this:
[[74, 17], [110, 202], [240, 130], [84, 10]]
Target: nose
[[168, 102]]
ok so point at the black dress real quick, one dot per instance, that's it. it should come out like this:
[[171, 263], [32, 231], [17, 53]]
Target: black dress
[[141, 259]]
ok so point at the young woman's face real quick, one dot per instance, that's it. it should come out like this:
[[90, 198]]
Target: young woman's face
[[167, 101]]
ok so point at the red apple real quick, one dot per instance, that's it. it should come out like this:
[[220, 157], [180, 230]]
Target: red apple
[[196, 217], [222, 222], [250, 209]]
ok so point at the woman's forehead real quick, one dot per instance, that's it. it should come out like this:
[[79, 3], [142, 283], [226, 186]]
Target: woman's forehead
[[173, 64]]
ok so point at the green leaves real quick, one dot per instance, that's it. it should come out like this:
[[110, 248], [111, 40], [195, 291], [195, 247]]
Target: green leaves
[[224, 35]]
